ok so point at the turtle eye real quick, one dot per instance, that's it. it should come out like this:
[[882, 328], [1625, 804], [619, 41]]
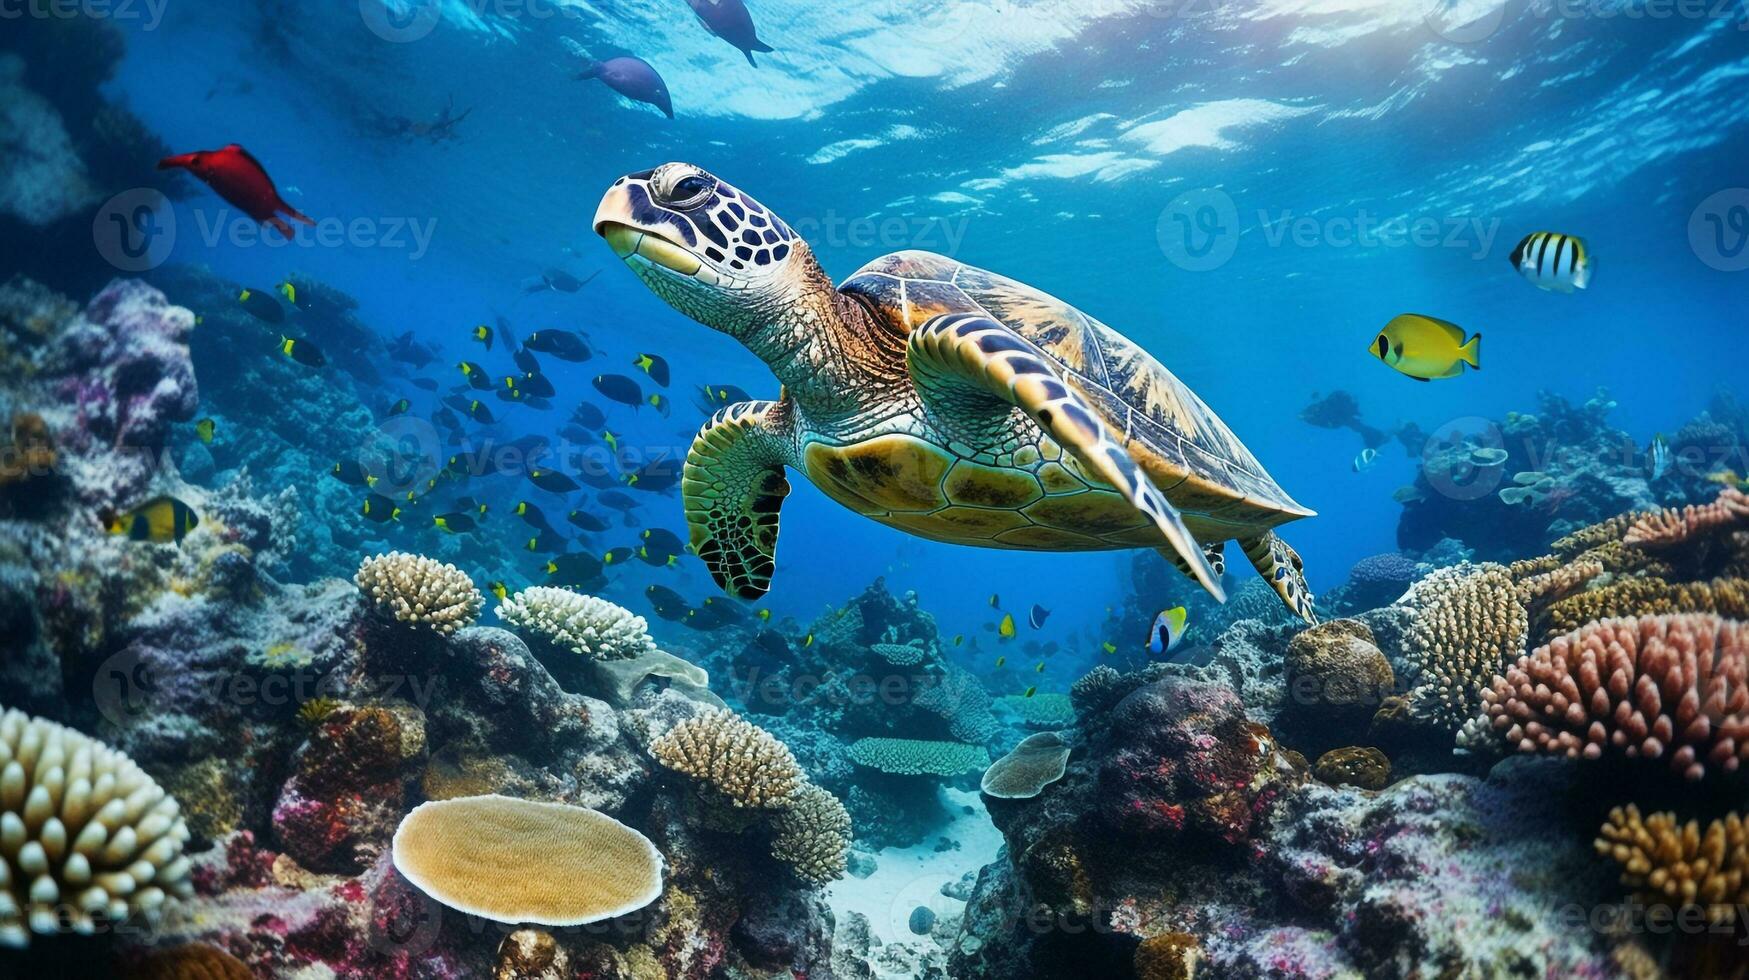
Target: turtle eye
[[690, 190]]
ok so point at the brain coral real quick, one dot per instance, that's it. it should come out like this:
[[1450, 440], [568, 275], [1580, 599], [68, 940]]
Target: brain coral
[[813, 835], [734, 757], [588, 626], [515, 861], [1468, 625], [1652, 687], [420, 591], [1680, 865], [915, 757], [1038, 761], [85, 835]]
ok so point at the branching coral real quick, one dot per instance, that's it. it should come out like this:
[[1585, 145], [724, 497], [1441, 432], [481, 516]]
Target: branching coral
[[1648, 596], [1675, 686], [916, 757], [739, 760], [1680, 865], [1468, 625], [1672, 527], [812, 835], [588, 626], [515, 861], [85, 835], [420, 591]]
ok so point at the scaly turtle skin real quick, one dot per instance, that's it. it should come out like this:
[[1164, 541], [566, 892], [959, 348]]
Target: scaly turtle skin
[[937, 398]]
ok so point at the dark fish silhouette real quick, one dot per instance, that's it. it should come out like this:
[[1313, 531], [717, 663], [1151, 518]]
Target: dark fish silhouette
[[729, 20], [629, 76]]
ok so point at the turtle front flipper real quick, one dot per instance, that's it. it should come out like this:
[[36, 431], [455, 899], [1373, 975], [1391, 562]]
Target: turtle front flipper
[[1282, 568], [733, 487], [959, 360]]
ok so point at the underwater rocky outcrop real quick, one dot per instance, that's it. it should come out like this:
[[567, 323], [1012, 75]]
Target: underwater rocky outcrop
[[295, 726]]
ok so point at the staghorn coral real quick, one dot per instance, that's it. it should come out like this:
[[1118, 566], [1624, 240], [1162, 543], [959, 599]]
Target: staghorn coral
[[517, 861], [583, 624], [1038, 761], [1680, 865], [1647, 597], [1468, 625], [85, 835], [1673, 686], [1671, 527], [732, 756], [420, 591], [812, 835], [917, 757]]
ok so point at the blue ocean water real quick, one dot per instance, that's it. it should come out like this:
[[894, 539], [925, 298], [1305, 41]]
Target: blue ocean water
[[1357, 158]]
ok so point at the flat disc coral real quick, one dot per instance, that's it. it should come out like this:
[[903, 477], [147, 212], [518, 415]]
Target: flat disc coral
[[515, 861]]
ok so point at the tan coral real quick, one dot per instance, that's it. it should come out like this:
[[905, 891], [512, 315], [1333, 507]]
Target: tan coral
[[420, 591], [1681, 865], [737, 759], [86, 837], [523, 861], [1656, 687], [1469, 624], [812, 835], [1671, 527], [1647, 596], [1170, 956]]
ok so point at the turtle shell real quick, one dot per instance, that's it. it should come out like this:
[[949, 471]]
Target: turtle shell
[[1192, 455]]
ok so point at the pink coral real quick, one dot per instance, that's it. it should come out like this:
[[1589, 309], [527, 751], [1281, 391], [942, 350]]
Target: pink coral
[[1669, 528], [1673, 685]]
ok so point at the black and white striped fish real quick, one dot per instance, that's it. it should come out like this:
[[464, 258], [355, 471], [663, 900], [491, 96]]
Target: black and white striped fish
[[1553, 261]]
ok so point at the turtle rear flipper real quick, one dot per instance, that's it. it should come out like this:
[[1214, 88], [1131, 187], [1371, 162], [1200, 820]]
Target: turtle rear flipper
[[959, 359], [1282, 568], [733, 486]]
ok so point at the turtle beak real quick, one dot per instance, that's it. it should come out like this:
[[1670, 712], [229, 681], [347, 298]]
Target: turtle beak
[[629, 240]]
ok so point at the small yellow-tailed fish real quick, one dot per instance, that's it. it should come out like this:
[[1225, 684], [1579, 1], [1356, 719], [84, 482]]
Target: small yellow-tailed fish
[[1005, 629], [1108, 647], [1040, 668], [483, 334], [1001, 662], [1168, 630], [161, 519], [1425, 348], [1553, 261], [764, 615], [1030, 692], [205, 429], [500, 590], [808, 642]]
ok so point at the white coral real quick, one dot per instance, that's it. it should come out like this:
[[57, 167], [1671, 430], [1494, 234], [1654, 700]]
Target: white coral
[[420, 591], [85, 835], [589, 626]]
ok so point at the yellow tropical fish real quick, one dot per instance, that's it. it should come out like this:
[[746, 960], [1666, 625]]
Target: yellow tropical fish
[[205, 429], [1001, 662], [1040, 668], [1006, 628], [1425, 348], [1108, 647], [1030, 692], [162, 519]]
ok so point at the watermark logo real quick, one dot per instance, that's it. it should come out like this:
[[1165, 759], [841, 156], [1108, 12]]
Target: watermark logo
[[400, 21], [149, 13], [1465, 21], [135, 230], [1718, 230], [124, 688], [1464, 459], [1199, 230]]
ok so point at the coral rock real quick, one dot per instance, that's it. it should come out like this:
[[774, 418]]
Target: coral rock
[[1361, 766], [420, 592], [531, 954]]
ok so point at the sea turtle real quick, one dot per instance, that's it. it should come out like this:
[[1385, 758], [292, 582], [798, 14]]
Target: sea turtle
[[937, 398]]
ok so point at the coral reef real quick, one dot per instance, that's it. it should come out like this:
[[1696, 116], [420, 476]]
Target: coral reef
[[89, 838], [1362, 766], [1674, 686], [420, 592], [584, 625], [812, 834], [1680, 864], [918, 757], [1336, 679], [736, 759], [515, 861], [1468, 623]]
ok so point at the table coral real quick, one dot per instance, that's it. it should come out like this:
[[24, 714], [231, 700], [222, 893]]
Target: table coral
[[918, 757]]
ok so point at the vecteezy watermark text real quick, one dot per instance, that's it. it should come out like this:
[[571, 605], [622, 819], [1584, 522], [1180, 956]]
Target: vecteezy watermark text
[[399, 234], [149, 12]]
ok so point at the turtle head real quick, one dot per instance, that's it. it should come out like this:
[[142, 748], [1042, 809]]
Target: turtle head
[[711, 251]]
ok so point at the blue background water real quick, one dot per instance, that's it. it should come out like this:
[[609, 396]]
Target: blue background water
[[1049, 142]]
